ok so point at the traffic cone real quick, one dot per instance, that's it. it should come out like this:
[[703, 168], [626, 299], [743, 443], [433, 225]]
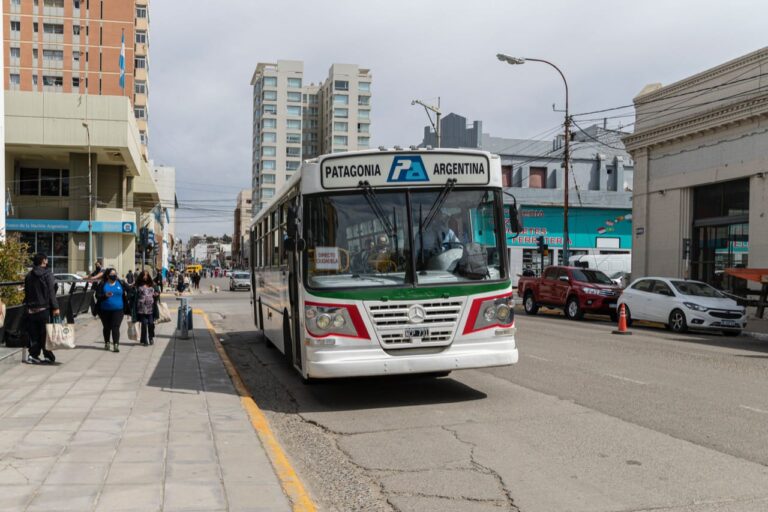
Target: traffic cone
[[622, 322]]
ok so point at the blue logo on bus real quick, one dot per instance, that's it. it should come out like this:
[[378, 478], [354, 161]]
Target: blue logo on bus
[[407, 169]]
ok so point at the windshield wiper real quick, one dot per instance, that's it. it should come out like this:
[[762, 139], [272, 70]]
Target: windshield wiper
[[373, 202], [441, 197]]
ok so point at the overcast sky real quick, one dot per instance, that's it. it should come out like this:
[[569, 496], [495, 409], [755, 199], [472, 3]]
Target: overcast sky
[[203, 54]]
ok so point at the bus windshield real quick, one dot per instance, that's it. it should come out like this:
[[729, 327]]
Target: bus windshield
[[364, 240]]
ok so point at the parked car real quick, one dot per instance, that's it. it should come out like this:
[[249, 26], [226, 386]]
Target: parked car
[[682, 305], [239, 281], [622, 279], [66, 281], [576, 290]]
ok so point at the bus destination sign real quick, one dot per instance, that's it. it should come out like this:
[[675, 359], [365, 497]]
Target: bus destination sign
[[398, 170]]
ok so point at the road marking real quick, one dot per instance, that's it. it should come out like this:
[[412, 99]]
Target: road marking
[[625, 379], [289, 480], [753, 409], [536, 357]]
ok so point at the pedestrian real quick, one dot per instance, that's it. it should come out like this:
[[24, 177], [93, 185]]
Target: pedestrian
[[129, 277], [197, 281], [180, 284], [40, 305], [112, 298], [143, 308], [159, 281], [97, 273]]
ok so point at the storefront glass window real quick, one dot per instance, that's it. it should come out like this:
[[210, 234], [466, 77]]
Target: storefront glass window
[[53, 245]]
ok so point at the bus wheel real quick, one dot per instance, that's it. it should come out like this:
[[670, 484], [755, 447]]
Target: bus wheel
[[287, 344]]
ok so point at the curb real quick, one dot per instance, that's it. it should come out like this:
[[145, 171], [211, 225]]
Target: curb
[[289, 479], [762, 336]]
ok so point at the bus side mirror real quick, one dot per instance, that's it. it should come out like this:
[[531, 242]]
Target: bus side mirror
[[293, 242], [515, 225], [291, 221]]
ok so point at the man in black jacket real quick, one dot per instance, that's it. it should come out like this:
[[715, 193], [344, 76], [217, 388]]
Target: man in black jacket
[[40, 302]]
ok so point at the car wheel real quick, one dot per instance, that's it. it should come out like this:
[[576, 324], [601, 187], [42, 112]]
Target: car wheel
[[732, 332], [677, 322], [530, 306], [573, 310]]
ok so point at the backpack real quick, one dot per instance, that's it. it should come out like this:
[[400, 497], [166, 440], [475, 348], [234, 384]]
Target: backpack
[[474, 262]]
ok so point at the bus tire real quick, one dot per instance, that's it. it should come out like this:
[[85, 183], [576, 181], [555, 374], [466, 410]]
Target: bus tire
[[287, 343]]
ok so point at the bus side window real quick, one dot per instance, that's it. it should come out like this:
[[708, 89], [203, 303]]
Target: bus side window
[[283, 232]]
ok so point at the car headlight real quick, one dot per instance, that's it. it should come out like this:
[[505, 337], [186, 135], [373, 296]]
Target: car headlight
[[489, 314], [503, 311], [694, 306], [338, 320], [323, 321], [591, 291]]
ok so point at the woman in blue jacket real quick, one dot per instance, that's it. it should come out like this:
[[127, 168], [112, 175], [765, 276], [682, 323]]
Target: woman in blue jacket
[[112, 299]]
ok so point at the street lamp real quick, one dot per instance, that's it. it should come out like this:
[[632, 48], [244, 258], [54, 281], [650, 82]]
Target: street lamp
[[90, 198], [566, 151], [438, 113]]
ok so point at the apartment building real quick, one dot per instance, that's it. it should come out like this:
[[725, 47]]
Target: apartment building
[[240, 235], [293, 121], [74, 46]]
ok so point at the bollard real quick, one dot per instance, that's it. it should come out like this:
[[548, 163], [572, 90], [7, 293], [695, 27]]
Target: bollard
[[184, 318]]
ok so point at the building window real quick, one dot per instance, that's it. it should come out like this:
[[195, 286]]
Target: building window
[[268, 178], [364, 100], [340, 140], [294, 83], [269, 137], [143, 137], [293, 138], [340, 126], [15, 53], [34, 80], [15, 2], [267, 192], [53, 81], [270, 123], [140, 87], [363, 114], [53, 28], [269, 96], [268, 151], [15, 80], [363, 142], [340, 99], [293, 110], [537, 177], [140, 112], [340, 85], [141, 37], [292, 165], [341, 112], [75, 30], [269, 109], [75, 57], [53, 245], [363, 128], [15, 26], [364, 87], [268, 165], [270, 81], [75, 82], [43, 182], [53, 55], [506, 175], [293, 124], [293, 152], [294, 96], [141, 11]]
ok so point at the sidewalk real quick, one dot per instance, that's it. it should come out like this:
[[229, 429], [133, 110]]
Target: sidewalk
[[149, 429]]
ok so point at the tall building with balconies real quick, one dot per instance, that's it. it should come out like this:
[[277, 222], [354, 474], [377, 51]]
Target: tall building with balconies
[[293, 121], [74, 46]]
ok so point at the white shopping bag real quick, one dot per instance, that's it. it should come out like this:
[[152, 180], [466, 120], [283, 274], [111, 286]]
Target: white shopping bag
[[165, 314], [59, 336], [134, 331]]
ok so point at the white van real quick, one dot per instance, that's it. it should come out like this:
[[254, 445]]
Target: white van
[[609, 264]]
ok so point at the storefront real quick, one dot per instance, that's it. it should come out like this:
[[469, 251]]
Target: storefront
[[591, 231]]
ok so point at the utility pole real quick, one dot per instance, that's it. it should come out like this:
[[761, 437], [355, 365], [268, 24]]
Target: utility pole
[[566, 147], [3, 199], [90, 189], [438, 114]]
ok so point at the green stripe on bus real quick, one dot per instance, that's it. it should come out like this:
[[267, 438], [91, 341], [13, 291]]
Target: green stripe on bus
[[437, 292]]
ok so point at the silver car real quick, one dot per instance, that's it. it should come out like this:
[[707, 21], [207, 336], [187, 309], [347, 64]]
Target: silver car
[[239, 281]]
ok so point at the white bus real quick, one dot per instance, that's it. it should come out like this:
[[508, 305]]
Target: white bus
[[387, 262]]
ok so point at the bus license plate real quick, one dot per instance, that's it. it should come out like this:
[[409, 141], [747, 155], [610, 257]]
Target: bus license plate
[[413, 332], [728, 323]]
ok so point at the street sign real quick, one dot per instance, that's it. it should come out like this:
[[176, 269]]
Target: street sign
[[80, 246]]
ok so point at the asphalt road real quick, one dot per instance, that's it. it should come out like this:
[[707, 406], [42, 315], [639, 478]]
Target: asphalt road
[[586, 421]]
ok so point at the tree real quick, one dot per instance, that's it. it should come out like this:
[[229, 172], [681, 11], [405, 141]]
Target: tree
[[14, 259], [226, 239]]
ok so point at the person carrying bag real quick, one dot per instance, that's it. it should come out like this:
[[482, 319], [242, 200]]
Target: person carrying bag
[[59, 335], [40, 304], [112, 298]]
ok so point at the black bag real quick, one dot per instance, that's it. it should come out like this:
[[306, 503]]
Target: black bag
[[474, 262]]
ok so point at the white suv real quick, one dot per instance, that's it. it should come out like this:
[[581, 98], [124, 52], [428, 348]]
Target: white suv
[[239, 281]]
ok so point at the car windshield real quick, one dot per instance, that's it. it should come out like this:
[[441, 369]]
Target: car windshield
[[240, 275], [363, 240], [591, 276], [697, 289]]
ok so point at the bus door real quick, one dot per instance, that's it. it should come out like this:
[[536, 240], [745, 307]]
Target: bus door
[[293, 247]]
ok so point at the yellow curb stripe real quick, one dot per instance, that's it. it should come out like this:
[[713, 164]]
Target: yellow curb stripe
[[289, 480]]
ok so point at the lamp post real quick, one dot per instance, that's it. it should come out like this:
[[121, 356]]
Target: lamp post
[[566, 149], [438, 113], [90, 198]]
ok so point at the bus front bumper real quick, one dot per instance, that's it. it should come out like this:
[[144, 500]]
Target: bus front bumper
[[332, 362]]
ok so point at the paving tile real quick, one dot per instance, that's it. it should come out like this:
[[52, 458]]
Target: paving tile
[[140, 453], [24, 472], [244, 497], [191, 453], [64, 498], [15, 497], [66, 473], [184, 496], [125, 498], [136, 472], [192, 472]]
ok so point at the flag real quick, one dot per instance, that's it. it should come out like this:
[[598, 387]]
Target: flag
[[122, 62]]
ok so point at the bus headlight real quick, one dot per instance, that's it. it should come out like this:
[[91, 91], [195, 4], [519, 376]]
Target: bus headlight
[[496, 312], [324, 320]]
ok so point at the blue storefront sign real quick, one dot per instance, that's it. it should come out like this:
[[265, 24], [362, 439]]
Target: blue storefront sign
[[69, 226], [585, 226]]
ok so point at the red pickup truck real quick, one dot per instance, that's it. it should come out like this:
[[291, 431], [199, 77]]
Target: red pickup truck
[[576, 290]]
